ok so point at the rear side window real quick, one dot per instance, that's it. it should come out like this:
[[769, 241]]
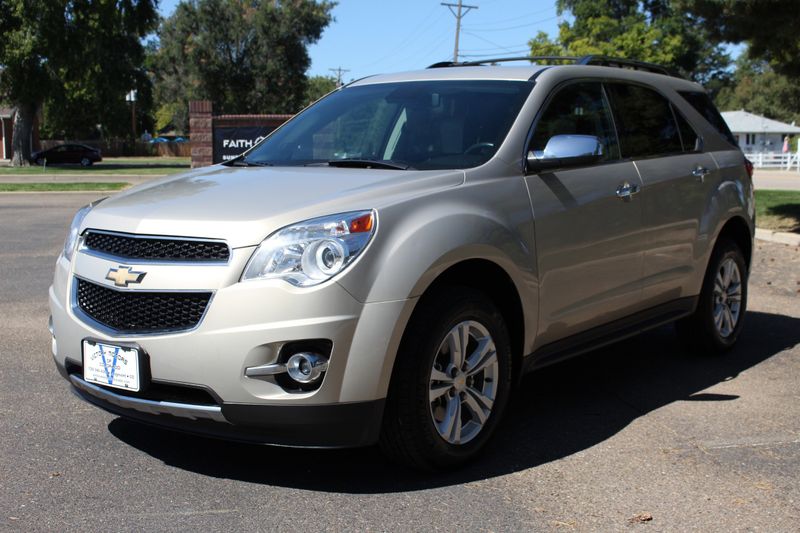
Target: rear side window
[[688, 135], [645, 123], [703, 105], [577, 109]]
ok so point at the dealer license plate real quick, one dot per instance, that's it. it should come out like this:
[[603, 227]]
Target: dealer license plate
[[110, 365]]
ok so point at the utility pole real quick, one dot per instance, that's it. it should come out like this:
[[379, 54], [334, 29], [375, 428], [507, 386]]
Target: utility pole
[[458, 13], [339, 71]]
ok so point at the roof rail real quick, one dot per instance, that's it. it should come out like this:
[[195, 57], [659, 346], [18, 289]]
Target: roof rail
[[533, 59], [603, 61], [606, 61]]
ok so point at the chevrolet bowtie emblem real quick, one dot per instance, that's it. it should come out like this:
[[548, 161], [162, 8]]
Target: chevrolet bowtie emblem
[[122, 276]]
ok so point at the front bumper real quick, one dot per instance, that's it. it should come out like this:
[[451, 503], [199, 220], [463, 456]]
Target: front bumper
[[245, 326], [320, 426]]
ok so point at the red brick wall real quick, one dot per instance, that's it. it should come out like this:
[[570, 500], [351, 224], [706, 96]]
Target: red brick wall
[[201, 132]]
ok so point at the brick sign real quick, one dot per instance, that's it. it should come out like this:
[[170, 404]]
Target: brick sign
[[218, 138], [230, 142]]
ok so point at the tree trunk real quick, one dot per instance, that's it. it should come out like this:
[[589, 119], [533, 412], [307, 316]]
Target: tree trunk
[[21, 139]]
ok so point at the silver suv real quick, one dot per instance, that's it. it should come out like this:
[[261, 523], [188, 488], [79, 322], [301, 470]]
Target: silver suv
[[385, 266]]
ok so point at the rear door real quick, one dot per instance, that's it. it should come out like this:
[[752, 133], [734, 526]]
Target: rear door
[[676, 175], [588, 241]]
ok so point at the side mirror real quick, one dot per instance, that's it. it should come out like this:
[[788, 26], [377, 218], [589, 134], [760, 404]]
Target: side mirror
[[566, 150]]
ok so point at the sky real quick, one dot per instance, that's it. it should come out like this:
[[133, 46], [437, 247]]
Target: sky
[[376, 36]]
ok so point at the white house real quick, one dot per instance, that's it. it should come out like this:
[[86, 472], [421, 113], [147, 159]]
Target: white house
[[755, 133]]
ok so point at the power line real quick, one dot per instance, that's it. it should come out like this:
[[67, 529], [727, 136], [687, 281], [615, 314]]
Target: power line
[[419, 32], [518, 18], [513, 27], [458, 14], [487, 41]]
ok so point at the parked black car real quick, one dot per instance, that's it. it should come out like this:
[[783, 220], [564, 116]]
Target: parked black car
[[68, 153]]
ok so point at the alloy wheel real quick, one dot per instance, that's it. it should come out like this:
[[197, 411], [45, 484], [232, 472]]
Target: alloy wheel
[[727, 297], [463, 382]]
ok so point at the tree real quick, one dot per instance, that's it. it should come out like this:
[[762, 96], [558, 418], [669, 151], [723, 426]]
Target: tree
[[757, 88], [769, 27], [246, 57], [319, 86], [646, 30], [70, 51]]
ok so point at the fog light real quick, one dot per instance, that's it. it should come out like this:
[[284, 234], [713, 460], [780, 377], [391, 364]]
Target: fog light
[[306, 367]]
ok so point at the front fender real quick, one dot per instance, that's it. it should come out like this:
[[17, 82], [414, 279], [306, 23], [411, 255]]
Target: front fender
[[419, 239]]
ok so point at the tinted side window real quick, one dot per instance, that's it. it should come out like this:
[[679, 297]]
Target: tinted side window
[[703, 105], [688, 135], [644, 121], [577, 109]]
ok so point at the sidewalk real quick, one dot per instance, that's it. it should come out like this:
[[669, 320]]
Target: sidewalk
[[786, 180], [133, 179]]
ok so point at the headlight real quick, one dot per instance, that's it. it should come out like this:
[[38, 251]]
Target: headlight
[[313, 251], [72, 237]]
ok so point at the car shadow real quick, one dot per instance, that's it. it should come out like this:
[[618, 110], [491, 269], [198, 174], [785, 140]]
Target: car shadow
[[558, 411]]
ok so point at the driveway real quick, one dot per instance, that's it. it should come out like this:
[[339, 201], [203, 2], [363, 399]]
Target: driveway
[[639, 435]]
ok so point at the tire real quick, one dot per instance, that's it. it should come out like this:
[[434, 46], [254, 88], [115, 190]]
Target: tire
[[715, 325], [86, 162], [415, 429], [40, 161]]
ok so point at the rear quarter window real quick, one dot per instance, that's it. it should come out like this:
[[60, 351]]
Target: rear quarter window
[[702, 103]]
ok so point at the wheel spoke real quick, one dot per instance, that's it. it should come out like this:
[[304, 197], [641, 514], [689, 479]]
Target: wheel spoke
[[457, 344], [719, 284], [727, 273], [718, 318], [475, 409], [728, 320], [438, 375], [480, 399], [483, 356], [734, 290], [438, 390], [450, 427]]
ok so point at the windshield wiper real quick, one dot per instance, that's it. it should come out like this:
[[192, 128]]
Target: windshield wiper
[[244, 162], [370, 163]]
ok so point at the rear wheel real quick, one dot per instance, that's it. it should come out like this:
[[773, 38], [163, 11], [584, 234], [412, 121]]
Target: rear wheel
[[716, 323], [451, 381]]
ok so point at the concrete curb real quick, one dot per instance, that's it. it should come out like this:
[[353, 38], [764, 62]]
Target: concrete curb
[[792, 239]]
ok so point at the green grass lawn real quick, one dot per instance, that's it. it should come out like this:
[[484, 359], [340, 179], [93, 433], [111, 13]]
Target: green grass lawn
[[62, 187], [778, 210], [150, 166]]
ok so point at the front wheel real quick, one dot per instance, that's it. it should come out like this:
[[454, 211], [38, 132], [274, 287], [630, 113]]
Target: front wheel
[[716, 323], [86, 162], [451, 382]]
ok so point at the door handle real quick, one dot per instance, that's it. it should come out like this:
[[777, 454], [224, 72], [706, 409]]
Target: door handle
[[700, 173], [626, 190]]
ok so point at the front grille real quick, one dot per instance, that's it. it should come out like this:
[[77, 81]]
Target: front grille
[[141, 312], [156, 248]]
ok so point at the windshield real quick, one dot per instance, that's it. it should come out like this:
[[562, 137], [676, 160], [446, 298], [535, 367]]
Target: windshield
[[422, 125]]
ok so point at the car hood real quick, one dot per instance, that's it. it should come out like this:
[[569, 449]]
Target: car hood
[[245, 205]]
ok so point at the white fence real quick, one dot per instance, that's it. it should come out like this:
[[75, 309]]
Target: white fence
[[774, 160]]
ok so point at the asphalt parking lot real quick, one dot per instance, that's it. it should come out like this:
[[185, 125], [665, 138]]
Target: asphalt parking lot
[[640, 435]]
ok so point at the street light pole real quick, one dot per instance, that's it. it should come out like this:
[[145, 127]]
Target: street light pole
[[131, 97]]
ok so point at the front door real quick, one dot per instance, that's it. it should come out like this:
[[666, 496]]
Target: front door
[[587, 221]]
